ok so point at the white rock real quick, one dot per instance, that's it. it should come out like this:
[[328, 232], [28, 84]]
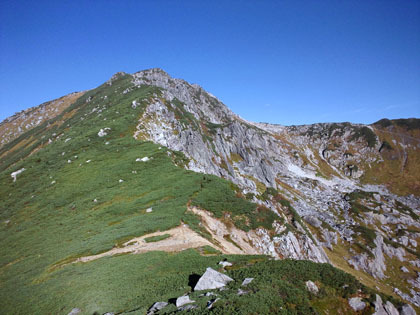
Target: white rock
[[95, 200], [14, 174], [148, 210], [120, 181], [247, 281], [103, 132], [88, 161], [357, 304], [311, 286], [53, 182], [404, 269], [145, 159], [67, 140], [69, 161], [225, 263], [212, 279], [182, 300], [75, 311]]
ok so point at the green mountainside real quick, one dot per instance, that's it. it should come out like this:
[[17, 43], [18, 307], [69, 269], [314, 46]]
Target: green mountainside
[[80, 184]]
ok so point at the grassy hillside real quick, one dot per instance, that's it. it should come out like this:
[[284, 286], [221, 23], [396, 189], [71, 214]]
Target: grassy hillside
[[84, 194], [87, 188]]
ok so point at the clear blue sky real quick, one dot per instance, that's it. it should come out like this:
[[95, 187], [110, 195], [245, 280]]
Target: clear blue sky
[[287, 62]]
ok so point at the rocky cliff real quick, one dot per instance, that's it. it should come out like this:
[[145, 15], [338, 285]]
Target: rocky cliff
[[342, 193]]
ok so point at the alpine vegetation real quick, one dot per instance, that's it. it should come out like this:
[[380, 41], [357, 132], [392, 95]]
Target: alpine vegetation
[[147, 195]]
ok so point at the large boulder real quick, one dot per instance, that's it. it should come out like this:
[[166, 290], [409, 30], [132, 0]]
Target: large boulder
[[391, 309], [311, 286], [212, 279], [182, 300], [357, 304]]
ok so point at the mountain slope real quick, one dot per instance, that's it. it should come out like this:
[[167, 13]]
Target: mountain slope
[[145, 155]]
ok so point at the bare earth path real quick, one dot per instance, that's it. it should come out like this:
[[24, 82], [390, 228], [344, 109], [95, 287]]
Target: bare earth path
[[182, 238]]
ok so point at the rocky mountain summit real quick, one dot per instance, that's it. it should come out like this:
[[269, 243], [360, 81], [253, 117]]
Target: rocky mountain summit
[[149, 162]]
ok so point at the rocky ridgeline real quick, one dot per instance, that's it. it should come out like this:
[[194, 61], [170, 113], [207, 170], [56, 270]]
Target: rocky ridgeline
[[314, 166], [318, 169], [13, 126]]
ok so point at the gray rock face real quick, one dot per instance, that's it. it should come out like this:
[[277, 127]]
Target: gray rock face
[[390, 309], [379, 308], [313, 221], [357, 304], [156, 307], [407, 309], [184, 117], [212, 279], [312, 287]]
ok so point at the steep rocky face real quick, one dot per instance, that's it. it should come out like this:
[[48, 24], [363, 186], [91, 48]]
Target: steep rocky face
[[333, 187], [313, 166]]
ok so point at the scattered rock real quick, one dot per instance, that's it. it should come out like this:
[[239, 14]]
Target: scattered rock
[[407, 309], [148, 210], [357, 304], [242, 292], [211, 303], [311, 286], [187, 307], [225, 264], [247, 281], [121, 181], [144, 159], [14, 174], [182, 300], [75, 311], [103, 132], [156, 307], [212, 279], [404, 269]]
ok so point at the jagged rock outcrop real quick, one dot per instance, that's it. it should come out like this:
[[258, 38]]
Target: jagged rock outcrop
[[341, 190], [314, 166]]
